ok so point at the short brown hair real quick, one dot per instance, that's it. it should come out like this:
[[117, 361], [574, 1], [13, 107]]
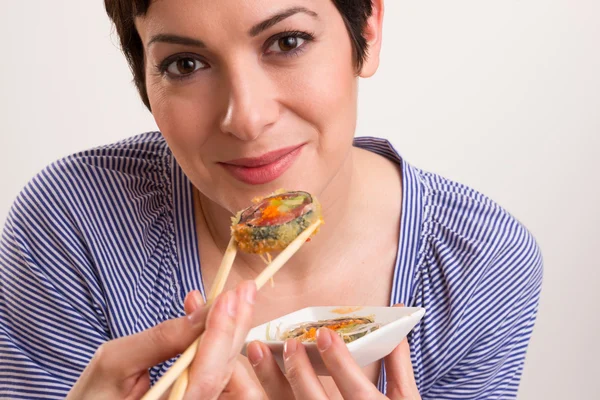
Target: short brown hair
[[355, 14]]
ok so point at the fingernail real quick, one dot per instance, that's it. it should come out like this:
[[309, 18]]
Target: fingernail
[[196, 316], [249, 292], [323, 339], [255, 354], [197, 297], [289, 348], [231, 304]]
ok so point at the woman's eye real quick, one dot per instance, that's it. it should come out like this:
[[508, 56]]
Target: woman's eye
[[184, 66], [286, 44]]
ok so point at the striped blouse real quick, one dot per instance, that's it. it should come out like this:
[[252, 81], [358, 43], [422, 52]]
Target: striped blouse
[[102, 244]]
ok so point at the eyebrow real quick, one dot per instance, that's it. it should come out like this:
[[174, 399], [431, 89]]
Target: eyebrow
[[277, 18], [254, 31], [176, 39]]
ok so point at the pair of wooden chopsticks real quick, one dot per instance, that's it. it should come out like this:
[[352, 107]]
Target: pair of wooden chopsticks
[[179, 370]]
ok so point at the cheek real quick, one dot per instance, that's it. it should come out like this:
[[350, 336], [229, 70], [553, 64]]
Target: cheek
[[180, 113], [186, 117], [326, 97]]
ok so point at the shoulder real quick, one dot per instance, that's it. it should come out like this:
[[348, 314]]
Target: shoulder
[[108, 174], [481, 274], [114, 197], [483, 263], [474, 228], [460, 227], [127, 156], [461, 232], [141, 156], [70, 232], [98, 219]]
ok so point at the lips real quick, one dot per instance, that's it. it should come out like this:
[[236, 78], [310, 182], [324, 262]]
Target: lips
[[263, 169]]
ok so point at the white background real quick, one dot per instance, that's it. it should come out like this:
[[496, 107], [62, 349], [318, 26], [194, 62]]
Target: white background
[[503, 96]]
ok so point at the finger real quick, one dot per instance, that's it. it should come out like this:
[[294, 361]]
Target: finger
[[138, 352], [300, 373], [141, 386], [268, 372], [192, 301], [212, 367], [241, 385], [401, 382], [400, 376], [246, 292], [348, 376]]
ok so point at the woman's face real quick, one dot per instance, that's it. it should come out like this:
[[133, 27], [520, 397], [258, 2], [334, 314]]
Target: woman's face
[[251, 96]]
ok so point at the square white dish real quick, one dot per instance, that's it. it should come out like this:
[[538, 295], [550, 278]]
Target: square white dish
[[396, 323]]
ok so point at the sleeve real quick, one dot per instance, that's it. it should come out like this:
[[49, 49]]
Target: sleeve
[[51, 308], [496, 327]]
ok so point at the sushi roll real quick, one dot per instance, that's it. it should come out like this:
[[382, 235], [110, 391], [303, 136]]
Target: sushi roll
[[273, 222], [348, 328]]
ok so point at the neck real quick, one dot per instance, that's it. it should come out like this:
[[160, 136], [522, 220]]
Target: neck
[[336, 201]]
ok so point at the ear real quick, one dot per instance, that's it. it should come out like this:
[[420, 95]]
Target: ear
[[372, 33]]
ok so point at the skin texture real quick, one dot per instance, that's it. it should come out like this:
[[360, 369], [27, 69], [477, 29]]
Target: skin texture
[[244, 95]]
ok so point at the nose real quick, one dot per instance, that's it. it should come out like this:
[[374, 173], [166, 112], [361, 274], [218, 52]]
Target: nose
[[251, 103]]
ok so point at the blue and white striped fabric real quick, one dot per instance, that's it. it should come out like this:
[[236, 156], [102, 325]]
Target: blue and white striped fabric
[[102, 244]]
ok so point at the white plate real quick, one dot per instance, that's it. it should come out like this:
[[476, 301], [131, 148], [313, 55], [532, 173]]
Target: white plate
[[396, 322]]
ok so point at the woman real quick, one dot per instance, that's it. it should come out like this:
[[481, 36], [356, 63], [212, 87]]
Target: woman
[[251, 97]]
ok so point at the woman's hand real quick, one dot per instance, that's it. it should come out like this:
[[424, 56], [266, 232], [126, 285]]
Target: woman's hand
[[119, 369], [301, 382], [240, 385]]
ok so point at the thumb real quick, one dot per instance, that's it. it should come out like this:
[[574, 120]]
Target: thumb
[[401, 382], [192, 301], [241, 384]]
